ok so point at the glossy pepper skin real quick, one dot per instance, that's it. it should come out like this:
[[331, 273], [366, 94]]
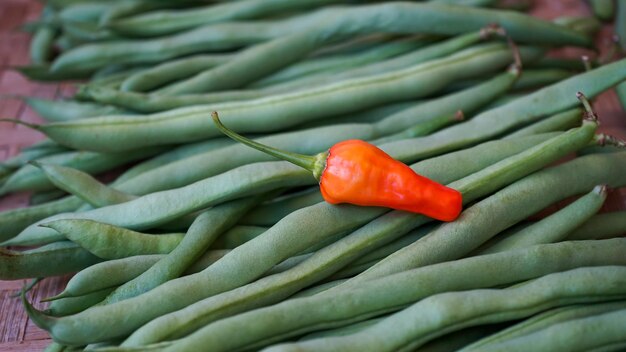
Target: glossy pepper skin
[[359, 173]]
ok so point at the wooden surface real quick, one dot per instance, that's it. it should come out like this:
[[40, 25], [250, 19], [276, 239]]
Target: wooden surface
[[17, 333]]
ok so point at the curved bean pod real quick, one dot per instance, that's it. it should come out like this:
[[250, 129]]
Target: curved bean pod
[[557, 122], [179, 153], [270, 213], [66, 256], [72, 305], [167, 22], [75, 181], [115, 272], [606, 225], [544, 320], [110, 242], [13, 221], [607, 330], [553, 228], [173, 70], [202, 233], [32, 178]]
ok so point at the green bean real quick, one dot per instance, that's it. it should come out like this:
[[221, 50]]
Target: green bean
[[83, 12], [606, 329], [108, 274], [557, 122], [237, 236], [188, 124], [41, 44], [178, 153], [124, 9], [72, 305], [366, 261], [45, 196], [169, 71], [65, 110], [167, 22], [74, 182], [606, 225], [66, 256], [427, 126], [88, 31], [43, 73], [531, 79], [342, 331], [388, 294], [13, 221], [302, 225], [31, 178], [452, 311], [558, 182], [582, 24], [553, 228], [313, 290], [544, 320], [202, 233], [34, 153], [64, 43], [270, 213], [113, 273], [323, 263], [110, 242]]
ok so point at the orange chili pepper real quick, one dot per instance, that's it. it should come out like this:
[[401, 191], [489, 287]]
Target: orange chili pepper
[[360, 173]]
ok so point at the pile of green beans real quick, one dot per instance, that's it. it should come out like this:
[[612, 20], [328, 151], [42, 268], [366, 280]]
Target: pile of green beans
[[181, 239]]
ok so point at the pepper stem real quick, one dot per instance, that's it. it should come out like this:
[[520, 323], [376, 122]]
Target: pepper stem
[[314, 163]]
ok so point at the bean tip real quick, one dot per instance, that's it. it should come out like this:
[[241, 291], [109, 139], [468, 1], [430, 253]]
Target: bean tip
[[588, 114], [601, 189], [459, 115], [20, 122], [603, 139]]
